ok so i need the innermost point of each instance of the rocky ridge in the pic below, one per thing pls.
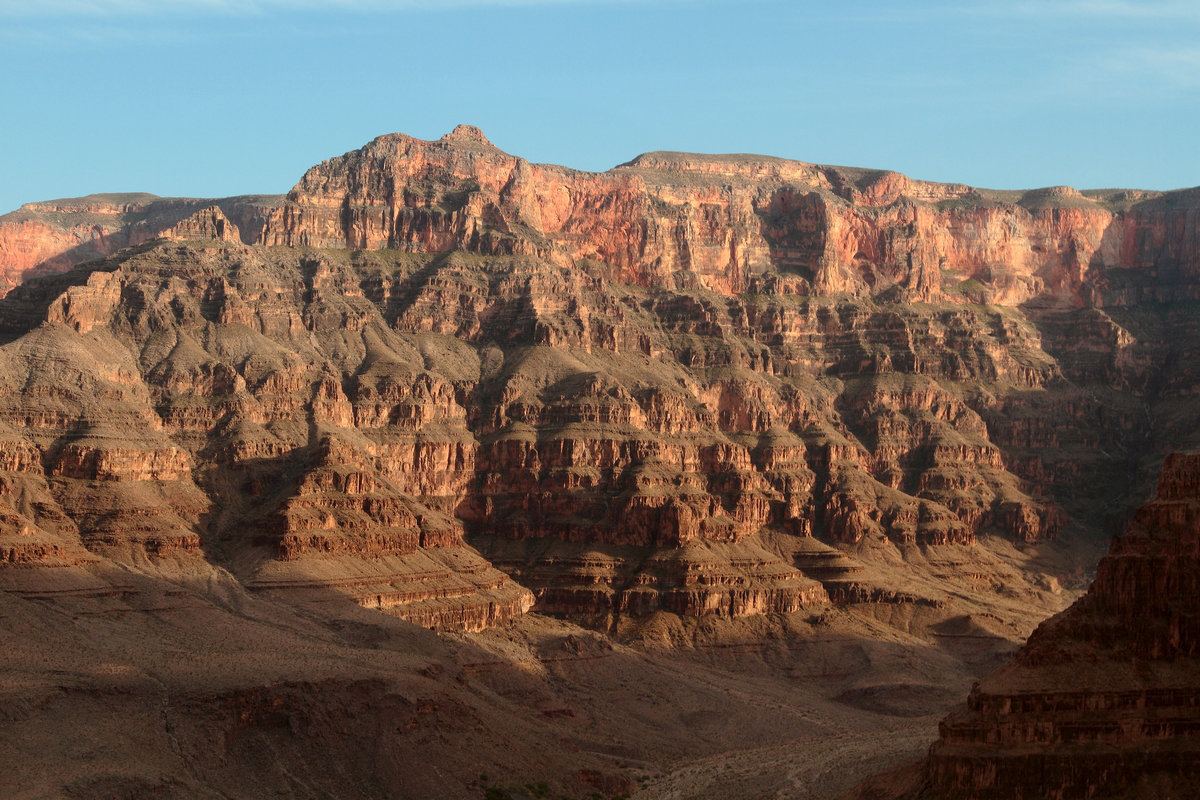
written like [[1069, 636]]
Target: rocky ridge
[[318, 421], [51, 237], [1102, 700], [727, 223]]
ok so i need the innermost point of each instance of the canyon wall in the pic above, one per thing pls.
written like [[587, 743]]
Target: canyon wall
[[337, 421], [694, 402], [642, 390], [676, 220], [340, 421], [53, 236]]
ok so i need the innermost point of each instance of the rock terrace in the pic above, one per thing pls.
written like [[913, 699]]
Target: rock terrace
[[1104, 699], [618, 387]]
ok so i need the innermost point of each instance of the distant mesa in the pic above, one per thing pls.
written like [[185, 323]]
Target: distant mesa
[[51, 237]]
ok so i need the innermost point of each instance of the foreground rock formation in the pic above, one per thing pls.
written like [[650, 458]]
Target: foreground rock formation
[[1104, 699]]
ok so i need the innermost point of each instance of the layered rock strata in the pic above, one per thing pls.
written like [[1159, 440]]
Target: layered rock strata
[[1092, 265], [339, 421], [140, 426], [726, 223], [623, 388], [1104, 699], [51, 237]]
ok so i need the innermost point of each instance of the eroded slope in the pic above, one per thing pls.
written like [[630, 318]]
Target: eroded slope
[[341, 419], [1102, 700]]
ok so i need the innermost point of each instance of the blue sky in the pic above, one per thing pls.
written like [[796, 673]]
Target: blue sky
[[211, 98]]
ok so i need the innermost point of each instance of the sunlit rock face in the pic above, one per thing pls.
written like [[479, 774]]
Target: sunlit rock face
[[676, 220], [434, 368], [50, 237]]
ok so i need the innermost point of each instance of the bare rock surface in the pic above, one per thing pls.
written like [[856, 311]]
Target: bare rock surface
[[700, 455], [351, 420], [729, 223], [53, 236], [1102, 700]]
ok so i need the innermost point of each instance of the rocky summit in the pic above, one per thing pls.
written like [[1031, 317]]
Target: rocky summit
[[812, 413]]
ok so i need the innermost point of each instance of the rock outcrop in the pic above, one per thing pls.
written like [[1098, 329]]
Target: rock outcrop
[[207, 223], [52, 237], [674, 220], [338, 422], [140, 426], [1104, 699]]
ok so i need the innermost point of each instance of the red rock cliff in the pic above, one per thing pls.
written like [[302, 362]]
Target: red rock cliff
[[676, 220], [673, 220], [624, 388], [53, 236]]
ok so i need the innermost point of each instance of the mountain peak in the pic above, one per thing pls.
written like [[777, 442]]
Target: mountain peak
[[467, 134]]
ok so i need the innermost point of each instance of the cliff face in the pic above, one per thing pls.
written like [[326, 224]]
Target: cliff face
[[1104, 699], [648, 389], [52, 237], [676, 220], [180, 407], [673, 220], [337, 422], [440, 385]]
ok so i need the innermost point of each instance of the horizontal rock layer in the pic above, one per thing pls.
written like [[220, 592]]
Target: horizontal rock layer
[[340, 421], [731, 223], [623, 387], [52, 237], [1104, 699]]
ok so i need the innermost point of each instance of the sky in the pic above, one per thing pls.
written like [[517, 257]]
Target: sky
[[211, 98]]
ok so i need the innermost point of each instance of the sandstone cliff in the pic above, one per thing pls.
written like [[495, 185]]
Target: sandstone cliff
[[51, 237], [676, 220], [340, 421], [1102, 700], [634, 391], [1088, 276]]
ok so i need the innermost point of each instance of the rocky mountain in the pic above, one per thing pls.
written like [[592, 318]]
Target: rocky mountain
[[632, 390], [736, 224], [718, 398]]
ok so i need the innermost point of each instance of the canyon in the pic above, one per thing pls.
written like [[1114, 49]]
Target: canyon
[[441, 428]]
